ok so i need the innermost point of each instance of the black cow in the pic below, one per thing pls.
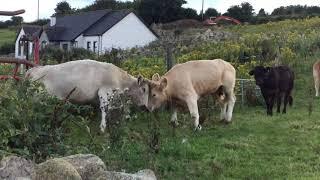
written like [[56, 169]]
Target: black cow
[[275, 83]]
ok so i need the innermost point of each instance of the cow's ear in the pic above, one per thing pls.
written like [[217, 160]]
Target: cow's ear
[[156, 77], [140, 79], [251, 73], [163, 83]]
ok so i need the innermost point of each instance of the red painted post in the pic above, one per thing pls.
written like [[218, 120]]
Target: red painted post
[[36, 50]]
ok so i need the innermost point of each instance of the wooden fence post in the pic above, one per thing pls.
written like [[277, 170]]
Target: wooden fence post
[[170, 62]]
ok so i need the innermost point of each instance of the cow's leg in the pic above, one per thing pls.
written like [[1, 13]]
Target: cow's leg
[[223, 112], [267, 101], [272, 98], [269, 110], [174, 118], [279, 99], [104, 94], [194, 112], [231, 101], [285, 102]]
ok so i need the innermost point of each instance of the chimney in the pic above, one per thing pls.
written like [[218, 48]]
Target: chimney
[[53, 21]]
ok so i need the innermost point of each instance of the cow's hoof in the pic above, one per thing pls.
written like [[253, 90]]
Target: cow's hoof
[[222, 121], [174, 123], [227, 122], [102, 127], [198, 128]]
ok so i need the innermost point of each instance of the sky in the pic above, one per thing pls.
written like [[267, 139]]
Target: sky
[[47, 6]]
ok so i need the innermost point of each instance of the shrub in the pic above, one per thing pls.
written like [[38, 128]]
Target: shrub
[[32, 123], [53, 55], [7, 48]]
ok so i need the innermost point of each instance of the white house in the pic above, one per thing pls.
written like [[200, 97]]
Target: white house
[[98, 31], [24, 43]]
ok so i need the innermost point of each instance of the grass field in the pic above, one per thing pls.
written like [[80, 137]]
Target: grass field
[[7, 35]]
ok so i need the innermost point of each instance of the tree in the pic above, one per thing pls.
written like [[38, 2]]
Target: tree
[[160, 11], [243, 13], [262, 13], [211, 12], [40, 22], [189, 13], [63, 8], [279, 11], [16, 20], [111, 4]]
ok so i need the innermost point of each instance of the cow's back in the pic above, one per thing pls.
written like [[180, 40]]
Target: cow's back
[[87, 76], [201, 76]]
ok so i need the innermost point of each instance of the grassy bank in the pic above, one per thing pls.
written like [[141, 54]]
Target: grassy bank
[[7, 36]]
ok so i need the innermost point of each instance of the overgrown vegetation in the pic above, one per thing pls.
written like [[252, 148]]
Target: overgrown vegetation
[[254, 146]]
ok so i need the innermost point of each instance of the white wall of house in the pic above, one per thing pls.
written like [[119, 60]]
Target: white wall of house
[[44, 40], [128, 33], [80, 42], [19, 51], [94, 43], [65, 45]]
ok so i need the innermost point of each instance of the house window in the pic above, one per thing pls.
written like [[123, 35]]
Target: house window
[[20, 48], [88, 45], [95, 46], [43, 44], [25, 49], [75, 44], [65, 47]]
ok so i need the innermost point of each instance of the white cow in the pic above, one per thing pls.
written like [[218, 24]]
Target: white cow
[[93, 82], [186, 83]]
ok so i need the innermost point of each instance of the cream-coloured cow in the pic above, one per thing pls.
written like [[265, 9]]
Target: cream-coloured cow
[[93, 82], [186, 83], [316, 76]]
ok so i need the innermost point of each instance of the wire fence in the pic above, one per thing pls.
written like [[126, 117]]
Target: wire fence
[[247, 92]]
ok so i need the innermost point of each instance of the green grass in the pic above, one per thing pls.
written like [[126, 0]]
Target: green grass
[[7, 35], [254, 146]]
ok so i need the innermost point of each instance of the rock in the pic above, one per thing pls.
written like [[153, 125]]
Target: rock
[[75, 167], [55, 169], [140, 175], [87, 165], [14, 168]]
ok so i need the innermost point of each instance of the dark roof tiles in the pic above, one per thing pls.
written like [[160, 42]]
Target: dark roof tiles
[[106, 23], [32, 30], [74, 25]]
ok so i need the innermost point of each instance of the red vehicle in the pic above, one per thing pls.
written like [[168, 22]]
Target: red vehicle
[[215, 20]]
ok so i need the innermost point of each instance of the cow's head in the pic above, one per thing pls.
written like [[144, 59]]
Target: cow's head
[[139, 91], [157, 94], [260, 73]]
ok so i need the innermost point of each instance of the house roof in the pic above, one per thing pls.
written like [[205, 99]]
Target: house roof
[[106, 23], [91, 23], [69, 27], [30, 30]]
